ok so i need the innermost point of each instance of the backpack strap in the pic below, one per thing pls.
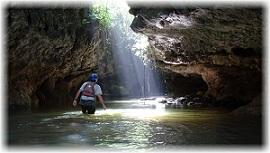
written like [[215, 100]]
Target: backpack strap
[[93, 87]]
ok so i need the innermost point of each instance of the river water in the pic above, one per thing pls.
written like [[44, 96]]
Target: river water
[[133, 125]]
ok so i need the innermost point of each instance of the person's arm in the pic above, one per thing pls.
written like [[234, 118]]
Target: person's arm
[[100, 99], [76, 98]]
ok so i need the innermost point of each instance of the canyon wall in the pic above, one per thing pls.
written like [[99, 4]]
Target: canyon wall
[[50, 52]]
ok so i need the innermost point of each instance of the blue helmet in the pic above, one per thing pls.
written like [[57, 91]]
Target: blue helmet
[[93, 77]]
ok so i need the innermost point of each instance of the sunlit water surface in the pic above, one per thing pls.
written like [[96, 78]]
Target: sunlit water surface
[[132, 125]]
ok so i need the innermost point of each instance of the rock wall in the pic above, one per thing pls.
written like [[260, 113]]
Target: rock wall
[[222, 44], [50, 51]]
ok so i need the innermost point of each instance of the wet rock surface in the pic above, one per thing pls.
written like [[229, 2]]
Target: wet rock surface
[[50, 52], [187, 102], [221, 44]]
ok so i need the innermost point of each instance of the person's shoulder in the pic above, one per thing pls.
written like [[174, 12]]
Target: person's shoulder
[[83, 85], [97, 85], [85, 82]]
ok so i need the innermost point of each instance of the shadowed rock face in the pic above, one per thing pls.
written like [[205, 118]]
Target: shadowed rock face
[[50, 51], [221, 44]]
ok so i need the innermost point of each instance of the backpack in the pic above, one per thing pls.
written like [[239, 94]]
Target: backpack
[[89, 90]]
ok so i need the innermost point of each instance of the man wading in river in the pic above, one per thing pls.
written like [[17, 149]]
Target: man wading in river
[[89, 91]]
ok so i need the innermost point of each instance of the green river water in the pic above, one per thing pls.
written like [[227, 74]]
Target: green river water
[[129, 125]]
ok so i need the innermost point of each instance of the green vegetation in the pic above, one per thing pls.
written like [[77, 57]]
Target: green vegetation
[[102, 14]]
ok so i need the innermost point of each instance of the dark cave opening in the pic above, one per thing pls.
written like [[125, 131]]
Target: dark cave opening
[[179, 85]]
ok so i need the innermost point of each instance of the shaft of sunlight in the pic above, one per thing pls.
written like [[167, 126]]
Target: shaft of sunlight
[[139, 77]]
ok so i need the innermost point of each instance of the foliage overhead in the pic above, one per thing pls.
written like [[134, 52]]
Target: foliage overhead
[[102, 14]]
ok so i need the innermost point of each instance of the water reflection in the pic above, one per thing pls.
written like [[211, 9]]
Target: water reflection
[[132, 127], [135, 113]]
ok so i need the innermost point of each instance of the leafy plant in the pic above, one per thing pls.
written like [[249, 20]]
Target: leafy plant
[[102, 14]]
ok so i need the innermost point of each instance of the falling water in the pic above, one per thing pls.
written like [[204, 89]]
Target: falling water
[[138, 76]]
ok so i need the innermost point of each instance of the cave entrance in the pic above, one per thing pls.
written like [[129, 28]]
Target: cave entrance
[[178, 85]]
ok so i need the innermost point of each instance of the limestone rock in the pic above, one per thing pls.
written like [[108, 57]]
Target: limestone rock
[[50, 51], [222, 44]]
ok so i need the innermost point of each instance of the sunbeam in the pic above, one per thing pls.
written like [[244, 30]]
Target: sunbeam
[[137, 74]]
